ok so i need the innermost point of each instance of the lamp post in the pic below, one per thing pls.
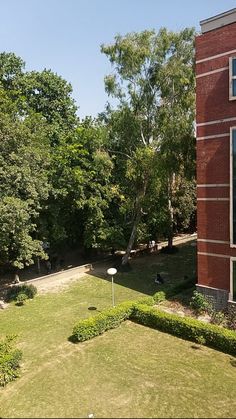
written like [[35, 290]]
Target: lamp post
[[112, 271]]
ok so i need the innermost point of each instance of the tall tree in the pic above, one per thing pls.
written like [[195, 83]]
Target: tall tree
[[143, 65], [37, 114], [82, 191], [24, 187]]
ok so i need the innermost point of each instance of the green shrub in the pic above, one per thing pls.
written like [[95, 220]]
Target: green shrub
[[231, 319], [218, 317], [96, 325], [29, 290], [21, 299], [148, 301], [186, 328], [200, 340], [159, 297], [9, 360], [199, 303]]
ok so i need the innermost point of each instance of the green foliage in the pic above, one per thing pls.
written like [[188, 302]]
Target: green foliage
[[149, 301], [29, 290], [159, 296], [97, 183], [183, 327], [18, 248], [98, 324], [9, 360], [21, 299], [231, 319], [11, 69], [199, 303], [186, 328], [24, 185], [49, 94], [200, 340], [218, 317], [151, 132]]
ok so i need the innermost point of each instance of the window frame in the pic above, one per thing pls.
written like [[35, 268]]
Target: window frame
[[231, 224], [231, 78], [231, 292]]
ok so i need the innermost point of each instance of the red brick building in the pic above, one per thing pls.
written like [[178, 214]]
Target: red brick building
[[216, 157]]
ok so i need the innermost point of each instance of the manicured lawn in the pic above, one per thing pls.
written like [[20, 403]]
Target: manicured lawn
[[131, 371]]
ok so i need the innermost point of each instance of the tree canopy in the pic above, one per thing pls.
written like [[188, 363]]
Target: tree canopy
[[107, 182]]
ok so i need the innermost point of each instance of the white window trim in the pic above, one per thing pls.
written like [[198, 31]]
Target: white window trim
[[232, 244], [231, 78], [232, 260]]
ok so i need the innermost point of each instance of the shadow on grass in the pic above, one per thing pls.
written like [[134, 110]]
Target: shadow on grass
[[178, 271], [196, 347], [72, 339]]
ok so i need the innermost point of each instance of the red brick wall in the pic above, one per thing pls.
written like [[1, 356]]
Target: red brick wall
[[213, 220], [216, 41], [213, 161], [222, 192], [214, 272], [213, 155]]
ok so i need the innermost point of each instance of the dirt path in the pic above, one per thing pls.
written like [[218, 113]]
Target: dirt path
[[59, 280]]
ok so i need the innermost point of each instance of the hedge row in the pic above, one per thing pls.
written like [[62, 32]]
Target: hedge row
[[183, 327], [96, 325], [186, 327]]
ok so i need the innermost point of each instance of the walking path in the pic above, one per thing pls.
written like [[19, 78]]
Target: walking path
[[55, 281]]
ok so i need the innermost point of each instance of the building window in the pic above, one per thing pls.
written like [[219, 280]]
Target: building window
[[232, 78], [233, 286], [233, 186]]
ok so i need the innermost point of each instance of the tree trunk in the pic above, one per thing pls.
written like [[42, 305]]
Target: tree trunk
[[171, 213], [38, 265], [132, 238], [138, 210]]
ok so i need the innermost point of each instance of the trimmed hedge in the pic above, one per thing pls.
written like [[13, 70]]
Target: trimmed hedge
[[148, 301], [183, 327], [98, 324], [186, 327]]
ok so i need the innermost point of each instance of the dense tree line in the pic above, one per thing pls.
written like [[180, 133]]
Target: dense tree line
[[126, 176]]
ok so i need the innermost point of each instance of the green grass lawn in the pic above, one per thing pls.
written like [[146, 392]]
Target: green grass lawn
[[131, 371]]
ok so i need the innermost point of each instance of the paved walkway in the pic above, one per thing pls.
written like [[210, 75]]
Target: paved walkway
[[60, 279]]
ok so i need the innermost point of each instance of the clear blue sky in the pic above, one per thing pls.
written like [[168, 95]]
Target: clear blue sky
[[65, 35]]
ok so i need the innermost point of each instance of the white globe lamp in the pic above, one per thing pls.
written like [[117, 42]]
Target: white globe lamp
[[112, 272]]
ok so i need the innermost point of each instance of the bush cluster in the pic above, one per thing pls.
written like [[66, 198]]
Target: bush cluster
[[149, 300], [200, 304], [9, 360], [159, 296], [186, 328], [14, 292], [96, 325]]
